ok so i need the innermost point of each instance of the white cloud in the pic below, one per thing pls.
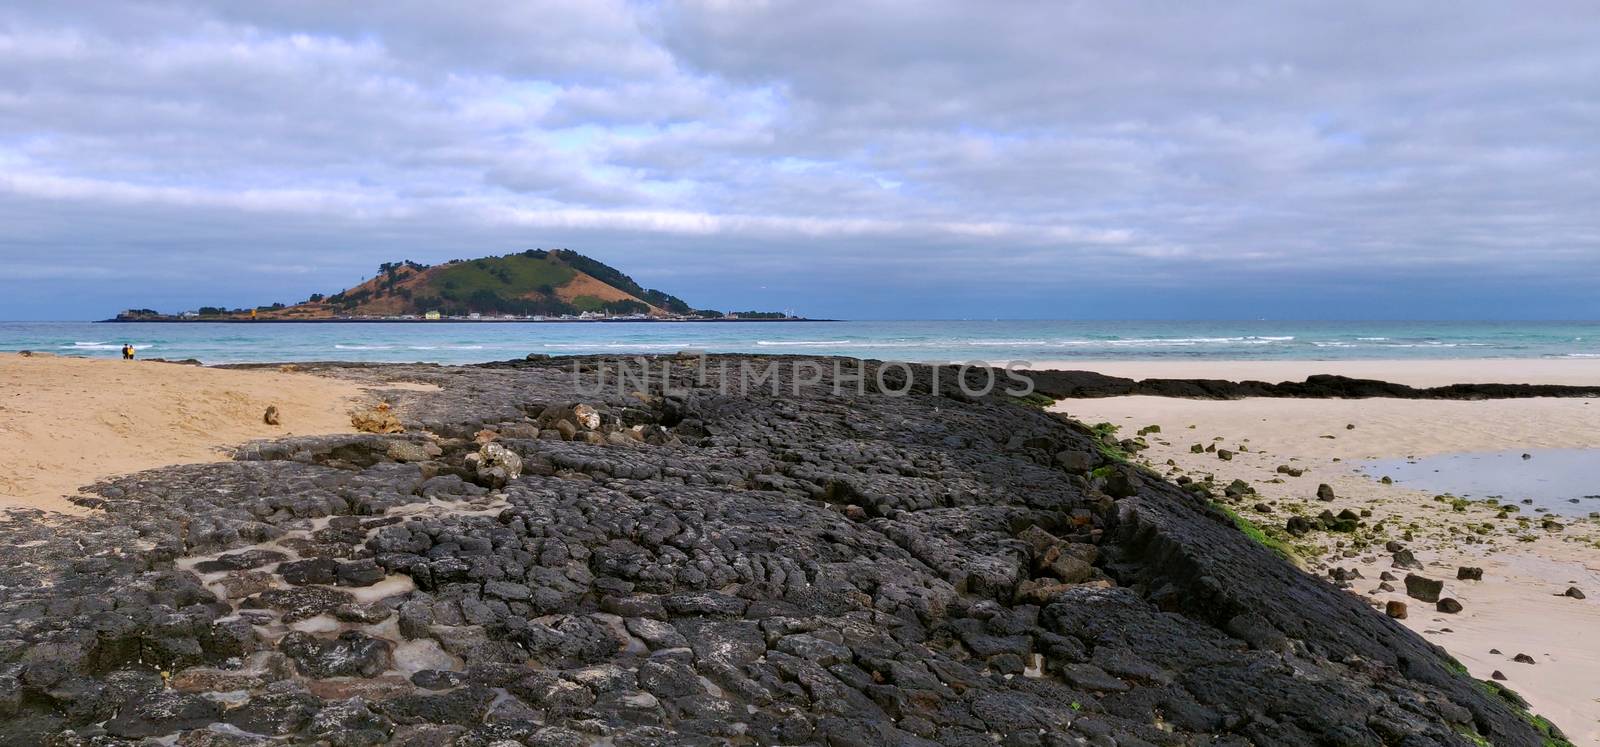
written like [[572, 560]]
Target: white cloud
[[946, 144]]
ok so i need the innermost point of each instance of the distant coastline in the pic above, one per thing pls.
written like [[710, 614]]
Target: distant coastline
[[379, 320]]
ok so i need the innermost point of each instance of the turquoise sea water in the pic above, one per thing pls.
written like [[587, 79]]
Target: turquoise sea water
[[446, 342]]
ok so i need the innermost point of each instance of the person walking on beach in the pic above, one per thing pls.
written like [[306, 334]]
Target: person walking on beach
[[127, 352]]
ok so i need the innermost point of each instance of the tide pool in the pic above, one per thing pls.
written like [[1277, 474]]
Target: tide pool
[[1561, 481]]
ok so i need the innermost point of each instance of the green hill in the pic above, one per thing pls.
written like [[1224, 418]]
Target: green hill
[[537, 282]]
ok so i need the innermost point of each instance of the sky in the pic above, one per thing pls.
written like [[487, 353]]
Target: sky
[[869, 159]]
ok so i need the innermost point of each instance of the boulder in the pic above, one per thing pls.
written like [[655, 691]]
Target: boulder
[[1423, 588], [165, 713], [240, 561], [1123, 482], [1076, 462], [494, 465], [309, 572], [585, 417], [352, 654], [376, 419], [413, 451]]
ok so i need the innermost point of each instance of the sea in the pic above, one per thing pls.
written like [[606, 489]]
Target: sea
[[915, 341]]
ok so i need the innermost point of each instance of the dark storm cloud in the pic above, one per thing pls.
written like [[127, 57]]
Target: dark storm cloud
[[870, 158]]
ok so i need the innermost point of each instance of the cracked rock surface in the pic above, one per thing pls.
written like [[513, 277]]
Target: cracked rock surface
[[534, 563]]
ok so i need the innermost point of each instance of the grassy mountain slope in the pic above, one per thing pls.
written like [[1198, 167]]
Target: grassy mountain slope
[[533, 282]]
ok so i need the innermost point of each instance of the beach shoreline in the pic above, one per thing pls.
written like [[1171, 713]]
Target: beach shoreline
[[1411, 372], [1517, 607]]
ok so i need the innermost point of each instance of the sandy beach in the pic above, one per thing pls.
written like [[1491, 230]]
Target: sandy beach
[[1515, 609], [67, 422]]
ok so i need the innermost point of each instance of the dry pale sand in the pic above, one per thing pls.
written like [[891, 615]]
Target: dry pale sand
[[1576, 371], [1515, 608], [67, 422]]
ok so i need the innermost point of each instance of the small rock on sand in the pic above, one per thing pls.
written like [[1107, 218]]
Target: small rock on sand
[[1325, 492], [271, 416], [1405, 559], [1449, 606], [1423, 588], [1574, 592], [1395, 609], [1523, 659], [1469, 573]]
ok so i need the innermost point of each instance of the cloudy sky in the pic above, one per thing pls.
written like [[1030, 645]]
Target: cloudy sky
[[876, 158]]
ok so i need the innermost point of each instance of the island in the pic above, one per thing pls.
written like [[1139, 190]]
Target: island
[[537, 285]]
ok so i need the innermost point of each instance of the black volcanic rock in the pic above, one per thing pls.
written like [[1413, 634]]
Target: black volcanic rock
[[1088, 384], [820, 568]]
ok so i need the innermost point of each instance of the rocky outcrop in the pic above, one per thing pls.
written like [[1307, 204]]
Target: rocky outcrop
[[1088, 384], [687, 566]]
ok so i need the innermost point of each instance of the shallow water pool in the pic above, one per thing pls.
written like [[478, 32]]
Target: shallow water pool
[[1564, 481]]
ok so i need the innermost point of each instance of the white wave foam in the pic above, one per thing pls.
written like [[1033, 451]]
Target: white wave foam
[[104, 346], [622, 345], [802, 342], [1248, 340]]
